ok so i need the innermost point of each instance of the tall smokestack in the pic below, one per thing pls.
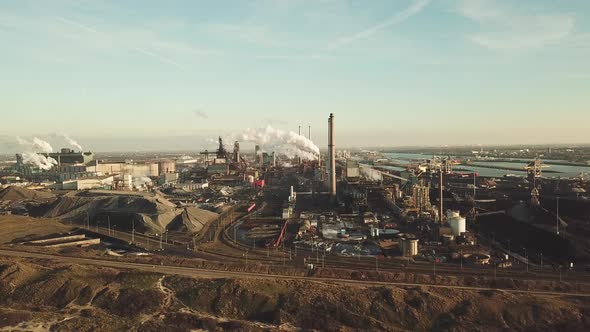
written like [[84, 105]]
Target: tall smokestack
[[300, 135], [331, 157]]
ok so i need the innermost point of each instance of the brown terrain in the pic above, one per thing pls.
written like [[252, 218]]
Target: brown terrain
[[43, 295]]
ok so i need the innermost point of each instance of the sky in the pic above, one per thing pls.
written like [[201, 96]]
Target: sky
[[144, 75]]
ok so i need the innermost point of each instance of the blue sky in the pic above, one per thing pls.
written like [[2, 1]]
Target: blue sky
[[398, 72]]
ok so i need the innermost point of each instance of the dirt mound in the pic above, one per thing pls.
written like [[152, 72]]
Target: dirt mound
[[14, 193], [193, 219], [153, 212]]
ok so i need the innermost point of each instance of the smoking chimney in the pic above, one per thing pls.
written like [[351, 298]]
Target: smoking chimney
[[299, 159], [331, 157]]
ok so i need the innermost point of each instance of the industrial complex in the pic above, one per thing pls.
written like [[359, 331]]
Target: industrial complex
[[397, 206], [293, 208]]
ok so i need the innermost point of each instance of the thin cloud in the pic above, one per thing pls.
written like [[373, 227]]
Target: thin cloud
[[416, 7], [141, 50], [248, 34], [506, 29], [201, 114]]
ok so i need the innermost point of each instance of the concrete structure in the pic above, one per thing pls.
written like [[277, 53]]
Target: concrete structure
[[331, 157]]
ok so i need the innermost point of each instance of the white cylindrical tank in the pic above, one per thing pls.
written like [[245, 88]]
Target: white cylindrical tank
[[250, 179], [457, 225]]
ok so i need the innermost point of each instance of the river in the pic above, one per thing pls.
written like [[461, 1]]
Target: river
[[564, 171]]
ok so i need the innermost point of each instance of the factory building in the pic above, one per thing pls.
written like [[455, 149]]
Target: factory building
[[98, 182], [70, 157], [136, 170]]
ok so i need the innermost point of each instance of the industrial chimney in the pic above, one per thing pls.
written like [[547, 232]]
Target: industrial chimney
[[299, 158], [331, 157]]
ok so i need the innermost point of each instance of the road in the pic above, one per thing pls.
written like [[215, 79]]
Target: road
[[204, 273]]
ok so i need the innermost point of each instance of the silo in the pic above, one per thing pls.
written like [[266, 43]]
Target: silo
[[457, 224], [167, 166], [153, 169]]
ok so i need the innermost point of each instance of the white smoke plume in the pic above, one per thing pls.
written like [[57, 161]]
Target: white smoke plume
[[72, 142], [39, 160], [139, 181], [37, 145], [370, 173], [30, 155], [279, 141]]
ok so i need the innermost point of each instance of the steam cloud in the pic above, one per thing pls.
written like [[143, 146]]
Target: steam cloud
[[139, 181], [39, 160], [289, 143], [32, 158], [36, 144], [72, 142], [370, 174]]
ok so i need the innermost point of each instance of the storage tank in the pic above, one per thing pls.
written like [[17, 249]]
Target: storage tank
[[153, 169], [250, 179], [409, 247], [457, 225], [167, 166]]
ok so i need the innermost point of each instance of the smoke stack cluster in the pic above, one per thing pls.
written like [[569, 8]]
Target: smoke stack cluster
[[331, 157]]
